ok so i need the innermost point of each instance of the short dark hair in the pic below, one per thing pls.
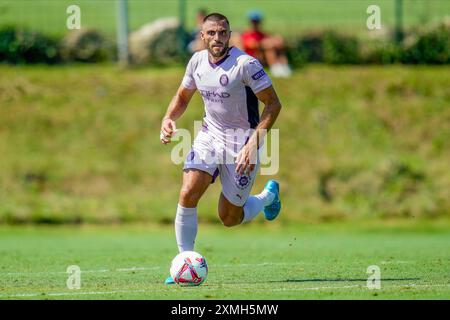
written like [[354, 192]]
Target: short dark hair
[[215, 16]]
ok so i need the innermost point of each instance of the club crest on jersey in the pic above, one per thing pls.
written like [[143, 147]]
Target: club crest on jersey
[[242, 181], [223, 80]]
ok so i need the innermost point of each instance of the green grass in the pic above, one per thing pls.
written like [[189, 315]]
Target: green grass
[[247, 262], [80, 143], [288, 17]]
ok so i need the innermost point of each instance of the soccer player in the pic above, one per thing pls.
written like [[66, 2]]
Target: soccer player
[[231, 83]]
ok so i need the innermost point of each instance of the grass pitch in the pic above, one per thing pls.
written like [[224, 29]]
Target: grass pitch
[[256, 261], [80, 143]]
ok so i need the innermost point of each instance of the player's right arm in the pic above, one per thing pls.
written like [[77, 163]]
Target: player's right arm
[[176, 108], [179, 102]]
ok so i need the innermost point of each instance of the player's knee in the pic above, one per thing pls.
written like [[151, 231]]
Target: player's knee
[[189, 197], [229, 222], [228, 218]]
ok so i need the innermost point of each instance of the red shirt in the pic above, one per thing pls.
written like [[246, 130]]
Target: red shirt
[[251, 40]]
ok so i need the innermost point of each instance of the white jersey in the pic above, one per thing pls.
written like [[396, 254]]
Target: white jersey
[[227, 88]]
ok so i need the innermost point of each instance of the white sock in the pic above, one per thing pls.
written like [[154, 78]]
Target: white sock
[[255, 204], [266, 196], [186, 228]]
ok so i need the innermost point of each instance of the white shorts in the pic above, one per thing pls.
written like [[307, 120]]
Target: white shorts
[[208, 154]]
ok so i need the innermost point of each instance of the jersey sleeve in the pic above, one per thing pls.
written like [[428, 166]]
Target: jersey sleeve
[[188, 79], [254, 76]]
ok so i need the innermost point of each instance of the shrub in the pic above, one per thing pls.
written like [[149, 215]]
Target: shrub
[[304, 49], [381, 52], [19, 46], [431, 46], [340, 49], [86, 45], [323, 46], [159, 42]]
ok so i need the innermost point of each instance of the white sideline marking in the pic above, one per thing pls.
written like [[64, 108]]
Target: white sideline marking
[[137, 269], [396, 262], [242, 265], [83, 271], [127, 269], [364, 287], [59, 294]]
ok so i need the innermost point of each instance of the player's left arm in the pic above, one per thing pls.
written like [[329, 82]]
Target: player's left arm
[[246, 159]]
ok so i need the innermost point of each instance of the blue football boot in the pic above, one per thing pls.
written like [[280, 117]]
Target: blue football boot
[[169, 280], [272, 210]]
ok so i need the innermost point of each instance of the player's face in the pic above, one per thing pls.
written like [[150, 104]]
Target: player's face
[[216, 35]]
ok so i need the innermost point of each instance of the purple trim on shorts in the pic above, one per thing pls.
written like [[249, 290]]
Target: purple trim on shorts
[[215, 175]]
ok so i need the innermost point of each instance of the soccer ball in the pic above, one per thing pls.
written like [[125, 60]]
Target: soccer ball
[[189, 268]]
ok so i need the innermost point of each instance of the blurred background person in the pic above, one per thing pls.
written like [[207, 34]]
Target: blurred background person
[[269, 49], [196, 44]]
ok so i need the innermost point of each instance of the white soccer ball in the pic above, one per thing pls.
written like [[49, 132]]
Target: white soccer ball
[[189, 268]]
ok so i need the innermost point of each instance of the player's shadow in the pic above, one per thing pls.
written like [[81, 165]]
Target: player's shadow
[[342, 280]]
